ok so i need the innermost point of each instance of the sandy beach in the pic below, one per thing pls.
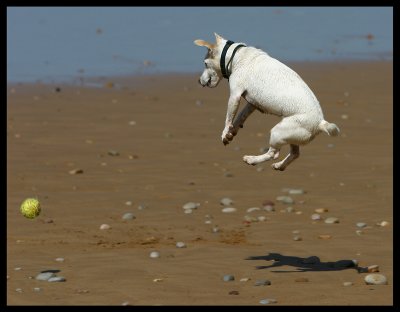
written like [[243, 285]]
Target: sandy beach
[[148, 145]]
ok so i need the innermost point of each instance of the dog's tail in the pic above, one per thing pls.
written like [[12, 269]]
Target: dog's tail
[[329, 128]]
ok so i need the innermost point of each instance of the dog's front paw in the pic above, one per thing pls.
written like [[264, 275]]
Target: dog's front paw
[[228, 134], [251, 160]]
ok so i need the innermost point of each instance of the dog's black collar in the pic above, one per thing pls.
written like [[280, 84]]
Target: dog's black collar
[[224, 69]]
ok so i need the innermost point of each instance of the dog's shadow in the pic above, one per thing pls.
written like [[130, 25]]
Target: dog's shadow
[[308, 264]]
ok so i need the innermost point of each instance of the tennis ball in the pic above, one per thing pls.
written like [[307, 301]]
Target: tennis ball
[[30, 208]]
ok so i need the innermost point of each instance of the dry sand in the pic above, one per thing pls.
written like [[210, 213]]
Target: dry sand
[[172, 154]]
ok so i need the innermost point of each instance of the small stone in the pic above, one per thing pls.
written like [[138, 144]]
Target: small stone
[[215, 229], [269, 208], [113, 153], [331, 220], [142, 206], [262, 218], [37, 289], [297, 238], [324, 236], [44, 276], [191, 205], [59, 259], [105, 227], [180, 245], [285, 199], [56, 279], [19, 290], [268, 202], [301, 280], [345, 116], [226, 201], [268, 301], [289, 209], [375, 279], [250, 218], [154, 254], [76, 171], [233, 292], [128, 216], [359, 232], [383, 223], [245, 279], [361, 225], [315, 217], [373, 268], [228, 278], [229, 209], [296, 191], [125, 303], [299, 212], [262, 282], [156, 280], [321, 210], [348, 284], [17, 269], [187, 211], [253, 209], [128, 203], [132, 123], [208, 222]]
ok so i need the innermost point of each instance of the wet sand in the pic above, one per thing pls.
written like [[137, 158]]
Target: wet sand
[[167, 131]]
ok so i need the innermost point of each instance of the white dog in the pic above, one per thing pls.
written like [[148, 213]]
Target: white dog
[[270, 87]]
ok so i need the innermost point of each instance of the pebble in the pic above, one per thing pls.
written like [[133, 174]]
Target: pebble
[[331, 220], [297, 238], [191, 205], [17, 269], [250, 219], [348, 284], [359, 232], [37, 289], [302, 280], [373, 268], [113, 153], [59, 259], [132, 123], [268, 301], [128, 216], [345, 116], [315, 217], [142, 206], [296, 191], [76, 171], [262, 282], [375, 279], [229, 209], [253, 209], [44, 276], [269, 208], [156, 280], [289, 209], [285, 199], [245, 279], [154, 254], [125, 303], [324, 236], [226, 201], [187, 211], [56, 279], [208, 222], [233, 292], [105, 227], [215, 229], [18, 290], [361, 225], [268, 202], [383, 223], [128, 203], [228, 278], [262, 218], [321, 210], [180, 245]]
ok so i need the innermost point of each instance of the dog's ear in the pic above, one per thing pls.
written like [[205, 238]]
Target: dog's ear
[[218, 38], [203, 43]]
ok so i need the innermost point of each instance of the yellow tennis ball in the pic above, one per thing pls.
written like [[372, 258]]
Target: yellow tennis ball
[[30, 208]]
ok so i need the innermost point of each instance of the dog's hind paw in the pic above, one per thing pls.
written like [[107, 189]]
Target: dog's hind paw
[[251, 160], [277, 166]]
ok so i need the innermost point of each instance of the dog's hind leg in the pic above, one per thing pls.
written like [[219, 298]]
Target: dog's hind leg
[[293, 154], [272, 153]]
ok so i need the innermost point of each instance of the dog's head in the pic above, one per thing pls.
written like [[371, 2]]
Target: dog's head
[[212, 74]]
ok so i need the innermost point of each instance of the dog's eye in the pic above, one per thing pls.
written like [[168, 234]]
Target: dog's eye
[[206, 64]]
